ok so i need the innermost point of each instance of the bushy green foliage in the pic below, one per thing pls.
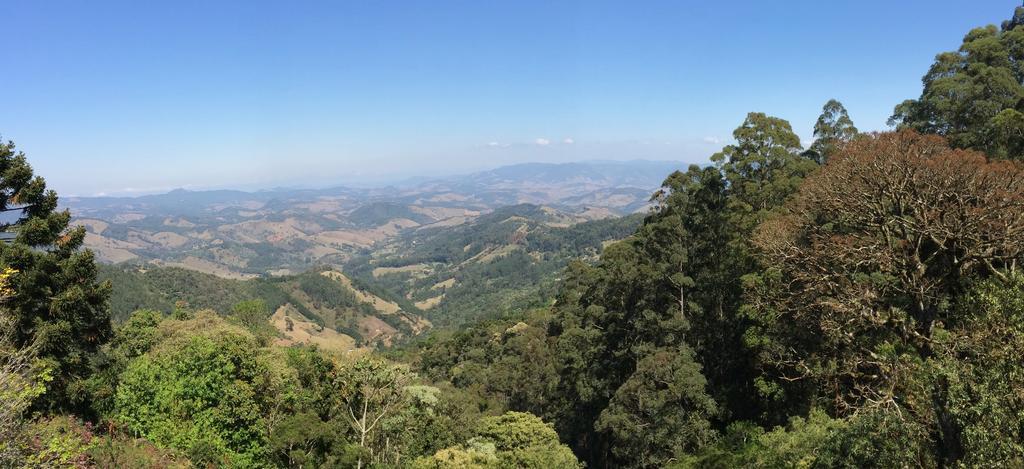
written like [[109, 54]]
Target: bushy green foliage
[[60, 441], [23, 379], [872, 440], [208, 393], [510, 361], [977, 373], [132, 339], [523, 440], [512, 440]]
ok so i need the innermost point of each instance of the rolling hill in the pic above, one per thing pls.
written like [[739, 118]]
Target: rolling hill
[[244, 235]]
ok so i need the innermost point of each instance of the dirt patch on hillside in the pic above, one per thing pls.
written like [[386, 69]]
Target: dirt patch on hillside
[[378, 303], [345, 238], [373, 328], [429, 303], [168, 239], [453, 221], [108, 250], [92, 225], [127, 217], [420, 270], [304, 331], [444, 285], [205, 266], [178, 223]]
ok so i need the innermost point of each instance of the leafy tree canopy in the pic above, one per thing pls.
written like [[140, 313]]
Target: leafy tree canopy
[[975, 96]]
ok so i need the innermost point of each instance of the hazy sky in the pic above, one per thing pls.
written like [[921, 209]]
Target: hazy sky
[[115, 97]]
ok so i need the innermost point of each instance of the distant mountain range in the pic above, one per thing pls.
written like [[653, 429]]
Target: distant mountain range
[[238, 234]]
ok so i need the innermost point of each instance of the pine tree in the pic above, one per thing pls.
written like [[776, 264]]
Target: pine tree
[[57, 303]]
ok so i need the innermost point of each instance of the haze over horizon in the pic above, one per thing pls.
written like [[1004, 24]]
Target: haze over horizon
[[381, 182], [122, 97]]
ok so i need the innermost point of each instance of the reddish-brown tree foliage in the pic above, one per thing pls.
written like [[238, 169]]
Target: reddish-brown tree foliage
[[870, 254]]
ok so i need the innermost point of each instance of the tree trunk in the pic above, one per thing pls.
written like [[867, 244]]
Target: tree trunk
[[682, 302], [362, 435], [951, 448]]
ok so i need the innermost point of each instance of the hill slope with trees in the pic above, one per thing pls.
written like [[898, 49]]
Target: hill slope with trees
[[499, 264]]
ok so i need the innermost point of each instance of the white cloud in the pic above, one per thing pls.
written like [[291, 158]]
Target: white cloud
[[568, 141], [542, 142], [493, 144], [712, 140]]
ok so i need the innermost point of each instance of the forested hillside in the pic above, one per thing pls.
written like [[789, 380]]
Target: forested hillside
[[327, 299], [499, 264], [853, 304]]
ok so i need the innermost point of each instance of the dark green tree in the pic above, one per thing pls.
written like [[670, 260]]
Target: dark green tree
[[833, 128], [762, 169], [661, 412], [975, 96], [57, 302], [674, 285], [691, 241], [208, 389]]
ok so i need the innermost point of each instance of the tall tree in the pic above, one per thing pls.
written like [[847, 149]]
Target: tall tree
[[611, 317], [371, 389], [57, 304], [763, 168], [975, 96], [866, 265], [673, 288], [833, 128], [691, 242]]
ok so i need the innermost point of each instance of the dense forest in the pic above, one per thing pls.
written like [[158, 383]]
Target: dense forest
[[853, 304]]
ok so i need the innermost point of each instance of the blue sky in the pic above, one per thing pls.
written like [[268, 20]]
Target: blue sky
[[124, 97]]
